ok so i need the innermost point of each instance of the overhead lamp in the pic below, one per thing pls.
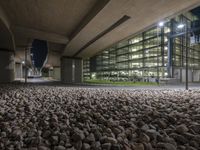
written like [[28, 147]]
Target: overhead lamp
[[180, 26], [161, 24], [23, 62]]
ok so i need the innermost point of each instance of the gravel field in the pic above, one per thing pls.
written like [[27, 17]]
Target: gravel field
[[35, 117]]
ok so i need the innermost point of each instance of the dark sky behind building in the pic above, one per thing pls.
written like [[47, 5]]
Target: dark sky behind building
[[39, 52]]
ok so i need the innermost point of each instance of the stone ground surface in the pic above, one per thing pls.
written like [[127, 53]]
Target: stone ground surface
[[39, 117]]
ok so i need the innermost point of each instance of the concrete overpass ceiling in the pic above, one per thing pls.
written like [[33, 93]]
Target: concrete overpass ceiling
[[51, 16], [56, 47], [50, 20], [74, 25], [143, 14]]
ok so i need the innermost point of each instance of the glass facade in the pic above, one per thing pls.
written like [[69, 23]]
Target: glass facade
[[156, 53]]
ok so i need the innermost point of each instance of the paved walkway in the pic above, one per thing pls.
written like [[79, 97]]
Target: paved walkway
[[51, 82]]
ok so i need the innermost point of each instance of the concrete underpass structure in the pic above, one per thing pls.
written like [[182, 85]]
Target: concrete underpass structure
[[74, 29]]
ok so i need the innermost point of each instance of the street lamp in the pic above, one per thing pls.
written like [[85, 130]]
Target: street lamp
[[160, 25], [181, 26]]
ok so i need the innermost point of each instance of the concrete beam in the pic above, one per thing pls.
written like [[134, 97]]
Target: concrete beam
[[92, 13], [5, 20], [41, 35]]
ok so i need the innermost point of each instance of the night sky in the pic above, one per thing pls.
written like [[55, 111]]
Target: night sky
[[196, 11], [39, 50]]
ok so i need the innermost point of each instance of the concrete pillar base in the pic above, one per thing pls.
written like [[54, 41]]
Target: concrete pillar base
[[7, 65], [71, 70]]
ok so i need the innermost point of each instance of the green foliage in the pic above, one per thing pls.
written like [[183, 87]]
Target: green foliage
[[120, 83]]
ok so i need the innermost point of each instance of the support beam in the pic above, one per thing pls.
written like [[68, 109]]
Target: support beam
[[86, 20], [95, 10], [41, 35]]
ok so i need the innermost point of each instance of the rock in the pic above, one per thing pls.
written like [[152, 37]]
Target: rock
[[10, 116], [170, 140], [166, 146], [194, 144], [78, 136], [78, 145], [60, 147], [138, 146], [196, 128], [116, 131], [106, 146], [152, 134], [46, 134], [145, 127], [72, 148], [148, 146], [90, 138], [116, 147], [181, 129], [63, 137], [190, 148], [111, 140], [43, 148], [179, 138], [144, 138], [17, 134], [86, 146], [97, 135], [96, 145], [162, 124], [54, 140]]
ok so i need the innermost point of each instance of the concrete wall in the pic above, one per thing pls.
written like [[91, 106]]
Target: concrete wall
[[177, 73], [18, 70], [71, 70], [181, 75], [66, 70], [193, 75], [78, 70], [7, 66], [56, 73], [196, 75]]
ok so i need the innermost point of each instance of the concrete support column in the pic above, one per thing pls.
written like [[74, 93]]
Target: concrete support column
[[56, 72], [18, 70], [7, 66], [71, 70]]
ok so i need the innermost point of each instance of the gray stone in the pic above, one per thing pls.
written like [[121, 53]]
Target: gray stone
[[43, 148], [166, 146], [78, 136], [54, 140], [144, 138], [106, 146], [90, 138], [111, 140], [78, 145], [60, 147], [86, 146], [181, 129]]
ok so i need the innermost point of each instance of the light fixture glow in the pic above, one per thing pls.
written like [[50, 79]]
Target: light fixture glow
[[161, 24], [180, 26], [23, 62]]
